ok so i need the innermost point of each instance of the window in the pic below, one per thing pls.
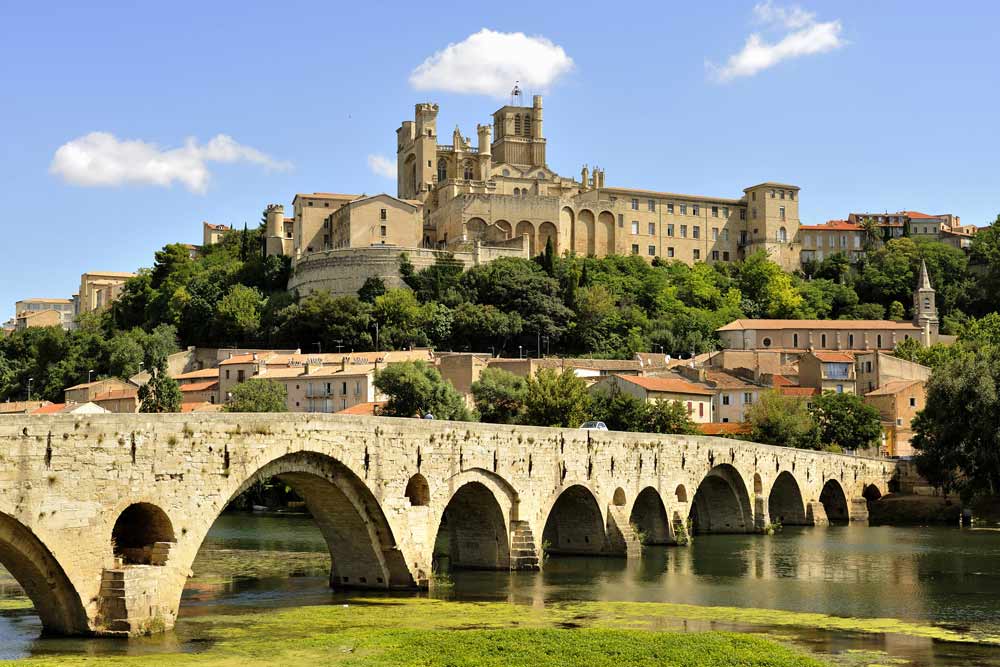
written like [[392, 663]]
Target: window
[[791, 194], [527, 125], [725, 234], [822, 341], [753, 213], [621, 219], [468, 171], [382, 214], [899, 421], [227, 373], [795, 340], [443, 170], [684, 231], [748, 397], [690, 407], [696, 254], [635, 248], [694, 209], [383, 230], [651, 204], [878, 341], [343, 389], [652, 229], [670, 209], [850, 340], [309, 203], [684, 209], [725, 399], [695, 229], [913, 401], [743, 214], [840, 389], [753, 196], [725, 255], [635, 226], [635, 204], [701, 409], [670, 229], [781, 194], [766, 342], [715, 211], [240, 376], [652, 251], [781, 212], [725, 211], [517, 124], [782, 235], [772, 194], [670, 252], [715, 255], [517, 192], [868, 367]]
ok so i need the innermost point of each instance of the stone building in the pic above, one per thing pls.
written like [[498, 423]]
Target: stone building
[[696, 398], [44, 313], [898, 402], [99, 288]]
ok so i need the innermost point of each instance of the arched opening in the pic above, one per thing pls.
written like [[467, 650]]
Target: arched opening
[[782, 235], [583, 233], [525, 228], [517, 192], [418, 492], [871, 494], [604, 242], [575, 525], [517, 124], [650, 517], [474, 229], [547, 231], [721, 503], [142, 535], [834, 502], [784, 503], [469, 171], [758, 487], [442, 169], [504, 228], [619, 497], [472, 534], [527, 125], [42, 578], [681, 493]]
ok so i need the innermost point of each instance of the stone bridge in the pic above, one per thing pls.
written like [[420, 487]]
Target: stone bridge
[[101, 516]]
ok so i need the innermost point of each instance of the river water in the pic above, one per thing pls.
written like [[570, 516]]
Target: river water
[[942, 576]]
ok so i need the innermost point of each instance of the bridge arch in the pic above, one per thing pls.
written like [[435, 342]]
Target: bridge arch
[[418, 491], [649, 515], [137, 531], [574, 523], [784, 502], [473, 531], [834, 502], [721, 504], [36, 570], [871, 493]]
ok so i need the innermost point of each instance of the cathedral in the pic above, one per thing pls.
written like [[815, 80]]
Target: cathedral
[[499, 197]]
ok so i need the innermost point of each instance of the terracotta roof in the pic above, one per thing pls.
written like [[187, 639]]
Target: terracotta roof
[[200, 374], [781, 381], [96, 382], [744, 324], [725, 428], [798, 391], [219, 227], [363, 409], [200, 386], [51, 409], [202, 406], [919, 216], [834, 357], [115, 395], [833, 225], [667, 385], [247, 358], [724, 380], [893, 387]]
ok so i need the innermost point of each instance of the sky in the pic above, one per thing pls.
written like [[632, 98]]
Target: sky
[[125, 125]]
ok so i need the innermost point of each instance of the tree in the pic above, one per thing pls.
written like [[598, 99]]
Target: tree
[[956, 435], [669, 417], [556, 399], [414, 389], [618, 410], [328, 320], [783, 420], [845, 421], [897, 313], [499, 396], [869, 311], [237, 315], [767, 289], [871, 235], [161, 393], [373, 288], [258, 395]]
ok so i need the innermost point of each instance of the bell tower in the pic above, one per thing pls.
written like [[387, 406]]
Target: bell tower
[[925, 313], [517, 136]]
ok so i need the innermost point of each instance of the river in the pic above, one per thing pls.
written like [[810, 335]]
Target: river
[[942, 576]]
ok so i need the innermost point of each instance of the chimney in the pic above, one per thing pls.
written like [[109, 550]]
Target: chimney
[[343, 363]]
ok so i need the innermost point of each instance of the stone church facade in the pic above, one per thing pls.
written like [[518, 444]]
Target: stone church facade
[[500, 197]]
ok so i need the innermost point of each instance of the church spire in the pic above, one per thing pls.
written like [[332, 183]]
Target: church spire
[[925, 281]]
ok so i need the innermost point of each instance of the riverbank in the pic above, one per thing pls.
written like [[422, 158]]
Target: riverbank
[[914, 510]]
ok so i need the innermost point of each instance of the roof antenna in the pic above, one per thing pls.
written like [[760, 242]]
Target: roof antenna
[[515, 95]]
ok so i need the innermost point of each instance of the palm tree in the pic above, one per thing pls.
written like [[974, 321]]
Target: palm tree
[[871, 234]]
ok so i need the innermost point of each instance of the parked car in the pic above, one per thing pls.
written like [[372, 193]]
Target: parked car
[[594, 426]]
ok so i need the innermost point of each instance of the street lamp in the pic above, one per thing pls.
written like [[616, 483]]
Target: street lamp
[[519, 354], [90, 373], [319, 347], [30, 380]]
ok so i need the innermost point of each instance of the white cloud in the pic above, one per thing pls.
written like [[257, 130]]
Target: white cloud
[[382, 166], [100, 159], [804, 37], [489, 62]]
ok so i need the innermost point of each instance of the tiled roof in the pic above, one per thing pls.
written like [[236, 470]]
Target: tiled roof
[[781, 381], [798, 391], [917, 215], [893, 387], [725, 428], [594, 364], [363, 409], [202, 406], [724, 380], [667, 385], [52, 409], [207, 385], [200, 374], [324, 195], [744, 324], [833, 225], [115, 395], [834, 357]]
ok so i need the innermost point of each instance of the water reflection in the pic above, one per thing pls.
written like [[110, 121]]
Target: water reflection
[[938, 575]]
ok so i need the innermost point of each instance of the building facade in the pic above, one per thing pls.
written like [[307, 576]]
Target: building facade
[[98, 289], [44, 312]]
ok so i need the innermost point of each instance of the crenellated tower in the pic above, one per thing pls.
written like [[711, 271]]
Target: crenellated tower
[[519, 140]]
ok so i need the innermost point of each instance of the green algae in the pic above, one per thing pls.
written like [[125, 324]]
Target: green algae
[[217, 566], [14, 604]]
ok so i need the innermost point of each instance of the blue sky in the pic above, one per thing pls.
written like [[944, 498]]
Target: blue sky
[[865, 105]]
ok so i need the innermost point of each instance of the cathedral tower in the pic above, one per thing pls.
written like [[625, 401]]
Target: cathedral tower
[[925, 313]]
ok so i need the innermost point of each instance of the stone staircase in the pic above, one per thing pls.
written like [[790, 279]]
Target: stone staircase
[[621, 536], [523, 554]]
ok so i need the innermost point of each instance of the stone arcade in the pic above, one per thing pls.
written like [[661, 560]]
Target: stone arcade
[[101, 516]]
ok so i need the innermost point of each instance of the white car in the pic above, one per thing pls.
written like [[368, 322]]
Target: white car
[[594, 426]]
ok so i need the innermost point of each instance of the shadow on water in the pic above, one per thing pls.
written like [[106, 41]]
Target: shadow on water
[[940, 576]]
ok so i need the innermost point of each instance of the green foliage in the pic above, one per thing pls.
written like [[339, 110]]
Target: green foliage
[[258, 395], [783, 420], [897, 313], [869, 311], [328, 320], [845, 421], [623, 412], [373, 288], [415, 388], [499, 396], [556, 399], [161, 393], [237, 314], [956, 435], [669, 417]]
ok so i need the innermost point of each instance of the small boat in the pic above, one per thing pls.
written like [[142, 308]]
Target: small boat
[[258, 508]]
